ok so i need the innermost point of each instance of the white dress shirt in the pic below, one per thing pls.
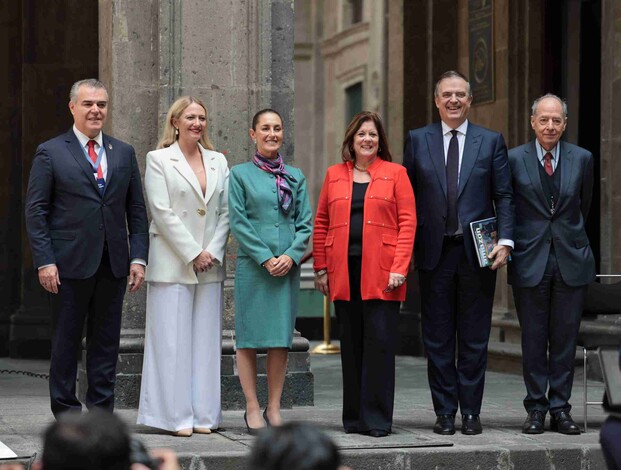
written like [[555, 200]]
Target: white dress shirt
[[556, 155], [83, 139], [461, 140]]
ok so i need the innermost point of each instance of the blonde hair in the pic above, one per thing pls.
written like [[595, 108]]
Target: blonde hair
[[169, 136]]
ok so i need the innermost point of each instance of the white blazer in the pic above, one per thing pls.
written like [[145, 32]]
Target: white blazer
[[184, 222]]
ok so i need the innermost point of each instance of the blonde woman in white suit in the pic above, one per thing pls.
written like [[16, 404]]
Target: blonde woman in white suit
[[186, 183]]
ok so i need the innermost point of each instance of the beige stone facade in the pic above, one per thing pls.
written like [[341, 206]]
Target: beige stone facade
[[235, 55], [399, 47]]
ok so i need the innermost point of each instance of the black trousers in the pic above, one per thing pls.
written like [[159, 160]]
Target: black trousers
[[610, 438], [98, 301], [368, 334], [549, 315], [456, 301]]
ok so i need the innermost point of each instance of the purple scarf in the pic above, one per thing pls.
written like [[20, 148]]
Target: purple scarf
[[277, 168]]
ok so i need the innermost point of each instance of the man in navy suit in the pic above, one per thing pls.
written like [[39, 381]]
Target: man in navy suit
[[459, 172], [552, 261], [86, 218]]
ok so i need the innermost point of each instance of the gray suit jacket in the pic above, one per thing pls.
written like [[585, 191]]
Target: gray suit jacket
[[536, 229]]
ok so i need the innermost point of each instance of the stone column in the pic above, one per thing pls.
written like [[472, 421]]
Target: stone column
[[238, 58], [610, 149]]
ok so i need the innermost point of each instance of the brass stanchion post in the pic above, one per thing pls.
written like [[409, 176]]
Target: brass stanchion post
[[326, 347]]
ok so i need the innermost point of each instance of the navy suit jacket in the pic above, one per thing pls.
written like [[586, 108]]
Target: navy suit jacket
[[484, 188], [68, 219], [536, 229]]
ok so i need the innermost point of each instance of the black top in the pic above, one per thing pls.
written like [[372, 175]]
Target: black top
[[356, 219]]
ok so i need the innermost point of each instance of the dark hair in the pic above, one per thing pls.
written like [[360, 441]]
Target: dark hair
[[358, 120], [451, 74], [255, 119], [299, 446], [96, 440]]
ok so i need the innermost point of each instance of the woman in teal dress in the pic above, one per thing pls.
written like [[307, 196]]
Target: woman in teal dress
[[270, 217]]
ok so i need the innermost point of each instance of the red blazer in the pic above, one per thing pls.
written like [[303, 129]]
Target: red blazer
[[387, 233]]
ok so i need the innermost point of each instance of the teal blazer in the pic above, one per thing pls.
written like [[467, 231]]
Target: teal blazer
[[260, 227]]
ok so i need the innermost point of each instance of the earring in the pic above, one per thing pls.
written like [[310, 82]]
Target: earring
[[255, 141], [379, 149], [176, 131]]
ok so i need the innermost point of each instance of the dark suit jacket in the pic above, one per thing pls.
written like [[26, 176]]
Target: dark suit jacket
[[67, 219], [536, 229], [484, 188]]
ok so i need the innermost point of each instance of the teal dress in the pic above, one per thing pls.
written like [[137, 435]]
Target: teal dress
[[266, 306]]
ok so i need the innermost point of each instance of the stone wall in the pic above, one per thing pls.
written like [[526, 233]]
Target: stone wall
[[610, 149], [238, 58]]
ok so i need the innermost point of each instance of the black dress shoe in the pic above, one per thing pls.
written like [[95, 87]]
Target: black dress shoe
[[534, 422], [377, 433], [471, 425], [445, 425], [563, 423]]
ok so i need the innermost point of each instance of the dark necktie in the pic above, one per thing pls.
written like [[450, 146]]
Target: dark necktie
[[452, 171], [547, 163]]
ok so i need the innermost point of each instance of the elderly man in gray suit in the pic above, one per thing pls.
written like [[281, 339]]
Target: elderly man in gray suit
[[552, 261]]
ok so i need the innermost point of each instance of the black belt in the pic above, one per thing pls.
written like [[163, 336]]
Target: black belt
[[454, 238]]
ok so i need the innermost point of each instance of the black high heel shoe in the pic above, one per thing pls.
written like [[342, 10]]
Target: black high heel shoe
[[267, 420], [251, 431]]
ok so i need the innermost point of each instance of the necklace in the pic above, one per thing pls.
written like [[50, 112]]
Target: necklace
[[364, 170]]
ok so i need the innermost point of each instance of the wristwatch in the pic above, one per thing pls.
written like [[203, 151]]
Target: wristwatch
[[321, 272]]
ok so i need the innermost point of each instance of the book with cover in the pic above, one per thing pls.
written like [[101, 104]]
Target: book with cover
[[485, 236]]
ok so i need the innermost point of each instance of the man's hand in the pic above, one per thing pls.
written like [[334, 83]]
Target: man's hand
[[49, 279], [500, 255], [136, 276]]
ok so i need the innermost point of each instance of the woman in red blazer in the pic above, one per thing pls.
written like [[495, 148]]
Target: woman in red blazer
[[362, 245]]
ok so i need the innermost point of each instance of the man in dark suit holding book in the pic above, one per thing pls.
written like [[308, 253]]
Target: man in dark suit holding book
[[460, 174], [552, 261]]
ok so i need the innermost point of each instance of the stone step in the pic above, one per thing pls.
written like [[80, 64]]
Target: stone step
[[378, 456], [508, 330], [25, 414]]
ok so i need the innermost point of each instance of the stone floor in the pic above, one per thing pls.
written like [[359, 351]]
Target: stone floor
[[24, 413]]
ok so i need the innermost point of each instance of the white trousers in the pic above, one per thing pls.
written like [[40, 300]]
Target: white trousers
[[181, 369]]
